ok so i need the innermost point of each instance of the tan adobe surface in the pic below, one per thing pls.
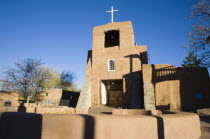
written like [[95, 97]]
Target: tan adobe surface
[[177, 88], [5, 96], [128, 63]]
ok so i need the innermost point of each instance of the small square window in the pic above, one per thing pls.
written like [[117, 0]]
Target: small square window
[[7, 103]]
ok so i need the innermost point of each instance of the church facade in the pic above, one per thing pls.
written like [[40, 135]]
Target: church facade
[[118, 74]]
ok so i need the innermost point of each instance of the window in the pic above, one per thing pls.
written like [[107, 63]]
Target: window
[[7, 103], [111, 65], [112, 38]]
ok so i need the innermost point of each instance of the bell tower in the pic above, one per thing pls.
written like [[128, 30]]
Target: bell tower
[[113, 73]]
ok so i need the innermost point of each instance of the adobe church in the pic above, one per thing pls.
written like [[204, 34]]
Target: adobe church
[[118, 75]]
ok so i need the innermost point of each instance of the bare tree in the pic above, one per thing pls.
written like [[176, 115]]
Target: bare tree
[[48, 78], [23, 76], [29, 76], [199, 37], [6, 86], [66, 79]]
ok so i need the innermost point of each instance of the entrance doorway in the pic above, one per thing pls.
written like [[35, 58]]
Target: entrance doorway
[[112, 93]]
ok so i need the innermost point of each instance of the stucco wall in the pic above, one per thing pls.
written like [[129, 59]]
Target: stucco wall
[[45, 110], [13, 97], [53, 94], [176, 88], [128, 62], [54, 126], [78, 126]]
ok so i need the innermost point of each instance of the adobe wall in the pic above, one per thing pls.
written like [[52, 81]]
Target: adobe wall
[[77, 126], [175, 88], [171, 124], [54, 95], [54, 126], [45, 110], [13, 97], [128, 62]]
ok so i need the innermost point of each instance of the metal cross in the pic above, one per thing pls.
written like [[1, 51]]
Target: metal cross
[[112, 13]]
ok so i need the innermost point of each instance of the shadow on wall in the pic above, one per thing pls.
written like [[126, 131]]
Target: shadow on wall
[[20, 125], [90, 122], [89, 57], [133, 87], [89, 126], [69, 98], [21, 108], [29, 126], [193, 87], [160, 127], [134, 82]]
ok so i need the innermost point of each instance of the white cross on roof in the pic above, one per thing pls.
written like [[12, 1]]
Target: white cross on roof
[[112, 13]]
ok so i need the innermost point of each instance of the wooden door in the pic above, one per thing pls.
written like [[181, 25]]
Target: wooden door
[[115, 98]]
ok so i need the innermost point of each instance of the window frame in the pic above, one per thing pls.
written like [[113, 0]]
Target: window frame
[[110, 65]]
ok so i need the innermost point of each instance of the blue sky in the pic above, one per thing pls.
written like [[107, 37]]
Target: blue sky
[[60, 31]]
